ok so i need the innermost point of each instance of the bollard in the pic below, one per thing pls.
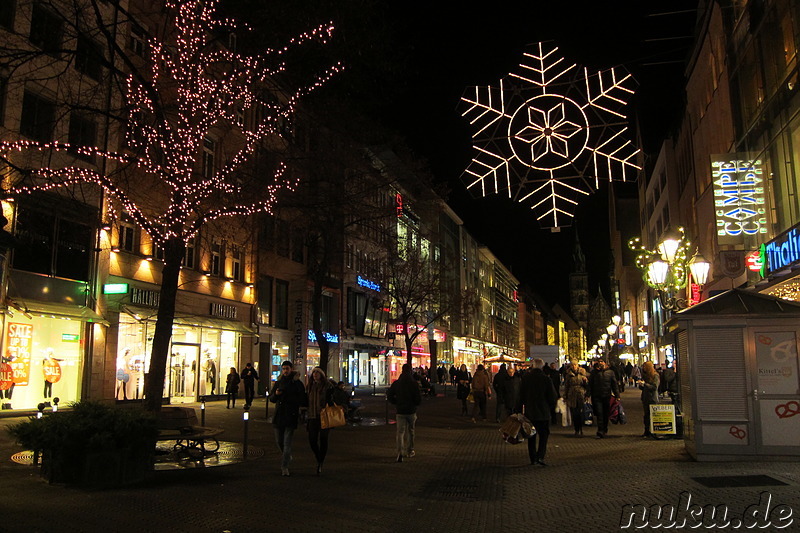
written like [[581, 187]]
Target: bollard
[[246, 418], [387, 410], [41, 407], [55, 404], [202, 410]]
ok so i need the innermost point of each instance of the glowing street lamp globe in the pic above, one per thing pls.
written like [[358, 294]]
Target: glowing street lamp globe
[[699, 268]]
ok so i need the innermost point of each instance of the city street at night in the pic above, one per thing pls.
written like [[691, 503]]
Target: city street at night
[[463, 478]]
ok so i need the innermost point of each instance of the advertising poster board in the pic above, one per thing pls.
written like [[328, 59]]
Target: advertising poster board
[[19, 342], [662, 419]]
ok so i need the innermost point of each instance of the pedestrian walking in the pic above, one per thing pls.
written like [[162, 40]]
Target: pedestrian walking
[[405, 395], [288, 395], [463, 380], [649, 387], [481, 392], [576, 384], [602, 386], [538, 401], [320, 393], [232, 387], [502, 410], [249, 377]]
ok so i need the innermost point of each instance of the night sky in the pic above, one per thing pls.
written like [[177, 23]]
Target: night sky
[[453, 49]]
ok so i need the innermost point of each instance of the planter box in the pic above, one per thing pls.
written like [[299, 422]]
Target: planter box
[[99, 470]]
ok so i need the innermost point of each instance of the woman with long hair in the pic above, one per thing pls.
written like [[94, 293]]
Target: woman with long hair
[[575, 392], [649, 387], [319, 392]]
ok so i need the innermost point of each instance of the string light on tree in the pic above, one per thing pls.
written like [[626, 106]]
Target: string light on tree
[[550, 133], [189, 88]]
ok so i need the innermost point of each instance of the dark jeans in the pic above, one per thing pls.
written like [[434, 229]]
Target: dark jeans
[[542, 434], [249, 392], [601, 413], [646, 407], [577, 417], [502, 411], [480, 404], [318, 439], [231, 398]]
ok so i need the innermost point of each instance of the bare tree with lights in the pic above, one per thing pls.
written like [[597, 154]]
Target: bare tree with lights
[[187, 86]]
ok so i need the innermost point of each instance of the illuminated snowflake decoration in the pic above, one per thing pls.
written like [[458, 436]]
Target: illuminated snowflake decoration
[[550, 134]]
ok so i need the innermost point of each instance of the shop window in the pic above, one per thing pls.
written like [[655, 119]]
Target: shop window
[[216, 258], [7, 8], [137, 41], [82, 133], [89, 57], [38, 117], [46, 29], [281, 319]]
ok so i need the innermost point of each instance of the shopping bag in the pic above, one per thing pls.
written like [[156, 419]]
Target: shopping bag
[[588, 412], [613, 410], [516, 428], [510, 430], [470, 398], [331, 416]]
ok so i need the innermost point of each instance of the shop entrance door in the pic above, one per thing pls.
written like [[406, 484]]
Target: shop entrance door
[[184, 377]]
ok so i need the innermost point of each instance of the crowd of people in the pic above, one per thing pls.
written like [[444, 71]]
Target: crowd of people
[[583, 392]]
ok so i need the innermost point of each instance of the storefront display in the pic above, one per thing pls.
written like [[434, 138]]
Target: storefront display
[[42, 361], [198, 357]]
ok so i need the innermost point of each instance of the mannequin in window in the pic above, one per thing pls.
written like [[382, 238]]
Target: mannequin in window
[[123, 375], [48, 363]]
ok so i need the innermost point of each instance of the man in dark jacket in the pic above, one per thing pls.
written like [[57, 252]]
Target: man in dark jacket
[[537, 401], [249, 377], [602, 385], [289, 395], [499, 382], [405, 395]]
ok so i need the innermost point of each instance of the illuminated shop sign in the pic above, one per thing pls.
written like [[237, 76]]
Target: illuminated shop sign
[[781, 252], [738, 197], [364, 282], [115, 288], [330, 337]]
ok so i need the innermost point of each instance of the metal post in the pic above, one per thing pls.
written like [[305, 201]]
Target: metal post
[[246, 418], [387, 410], [202, 410], [55, 404]]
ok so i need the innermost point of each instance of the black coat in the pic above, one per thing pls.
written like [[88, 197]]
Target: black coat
[[405, 395], [289, 401], [462, 389], [537, 395], [603, 384]]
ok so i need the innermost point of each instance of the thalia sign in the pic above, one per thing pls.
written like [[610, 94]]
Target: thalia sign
[[781, 252]]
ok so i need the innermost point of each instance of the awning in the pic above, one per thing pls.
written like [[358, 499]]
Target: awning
[[183, 319], [55, 310]]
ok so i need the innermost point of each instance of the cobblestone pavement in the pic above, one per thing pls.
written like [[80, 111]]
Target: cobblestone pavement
[[463, 478]]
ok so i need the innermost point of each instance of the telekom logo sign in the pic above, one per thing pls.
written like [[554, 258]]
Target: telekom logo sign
[[738, 197]]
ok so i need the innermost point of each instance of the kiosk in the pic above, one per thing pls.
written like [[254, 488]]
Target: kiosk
[[738, 375]]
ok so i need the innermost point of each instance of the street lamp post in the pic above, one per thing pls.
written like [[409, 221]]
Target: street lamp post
[[666, 269]]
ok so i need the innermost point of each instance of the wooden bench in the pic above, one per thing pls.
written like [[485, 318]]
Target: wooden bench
[[180, 424]]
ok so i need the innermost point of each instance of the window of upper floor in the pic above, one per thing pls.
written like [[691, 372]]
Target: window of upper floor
[[236, 262], [3, 92], [207, 161], [7, 12], [89, 57], [82, 133], [46, 29], [137, 40], [127, 234], [217, 258], [38, 119]]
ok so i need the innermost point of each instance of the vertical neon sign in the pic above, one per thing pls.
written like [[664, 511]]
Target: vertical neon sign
[[738, 197]]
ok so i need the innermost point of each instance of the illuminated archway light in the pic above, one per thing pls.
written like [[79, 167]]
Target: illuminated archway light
[[549, 134]]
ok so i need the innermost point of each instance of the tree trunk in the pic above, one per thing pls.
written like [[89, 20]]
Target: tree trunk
[[154, 383], [316, 326], [409, 342]]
